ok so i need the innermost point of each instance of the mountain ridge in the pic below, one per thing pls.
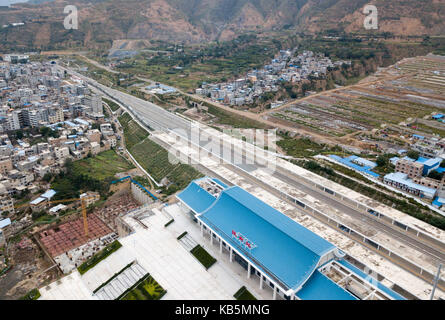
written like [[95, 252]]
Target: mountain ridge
[[194, 21]]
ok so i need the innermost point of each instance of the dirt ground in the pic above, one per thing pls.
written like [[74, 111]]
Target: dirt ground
[[28, 262]]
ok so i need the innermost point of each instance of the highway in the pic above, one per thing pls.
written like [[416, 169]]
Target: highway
[[157, 118]]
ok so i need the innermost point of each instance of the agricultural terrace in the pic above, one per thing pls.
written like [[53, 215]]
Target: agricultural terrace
[[404, 98], [348, 111], [133, 132], [429, 74], [113, 105], [155, 159]]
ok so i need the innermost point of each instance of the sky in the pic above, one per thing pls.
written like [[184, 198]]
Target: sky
[[8, 2]]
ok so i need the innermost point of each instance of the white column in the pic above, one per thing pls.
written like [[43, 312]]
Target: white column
[[220, 246], [202, 230], [211, 238], [292, 296], [274, 292], [248, 270], [230, 253], [261, 281]]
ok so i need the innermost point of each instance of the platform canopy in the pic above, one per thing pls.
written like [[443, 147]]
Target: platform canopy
[[271, 241]]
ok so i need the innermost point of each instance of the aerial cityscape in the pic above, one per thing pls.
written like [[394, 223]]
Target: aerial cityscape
[[229, 150]]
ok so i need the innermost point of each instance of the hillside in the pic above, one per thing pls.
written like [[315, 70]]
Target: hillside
[[191, 21]]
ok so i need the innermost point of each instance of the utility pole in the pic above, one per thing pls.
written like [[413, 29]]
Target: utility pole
[[436, 281]]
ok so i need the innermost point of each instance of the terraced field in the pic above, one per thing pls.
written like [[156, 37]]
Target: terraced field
[[154, 158], [133, 132], [404, 97]]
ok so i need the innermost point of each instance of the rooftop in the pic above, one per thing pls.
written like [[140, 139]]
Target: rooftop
[[277, 241], [4, 223]]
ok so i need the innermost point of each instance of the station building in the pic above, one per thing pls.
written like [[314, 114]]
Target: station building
[[292, 260]]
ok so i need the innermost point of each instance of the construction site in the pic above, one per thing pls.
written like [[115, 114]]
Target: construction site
[[57, 249]]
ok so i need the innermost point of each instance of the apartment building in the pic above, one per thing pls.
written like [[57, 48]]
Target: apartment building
[[5, 166], [411, 168]]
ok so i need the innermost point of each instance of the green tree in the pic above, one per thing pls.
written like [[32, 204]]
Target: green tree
[[413, 154], [382, 161]]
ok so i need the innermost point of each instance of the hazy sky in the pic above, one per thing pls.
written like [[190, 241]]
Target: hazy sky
[[8, 2]]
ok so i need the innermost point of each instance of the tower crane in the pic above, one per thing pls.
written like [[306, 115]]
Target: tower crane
[[83, 207]]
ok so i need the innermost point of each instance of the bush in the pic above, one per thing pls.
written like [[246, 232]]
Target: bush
[[203, 256], [169, 223], [145, 289], [243, 294], [98, 257], [34, 294], [182, 235]]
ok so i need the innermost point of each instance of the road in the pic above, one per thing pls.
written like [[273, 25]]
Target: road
[[160, 119]]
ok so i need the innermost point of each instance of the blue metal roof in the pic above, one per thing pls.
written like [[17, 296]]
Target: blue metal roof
[[48, 194], [371, 280], [402, 178], [436, 202], [348, 162], [284, 249], [440, 169], [196, 197], [320, 287]]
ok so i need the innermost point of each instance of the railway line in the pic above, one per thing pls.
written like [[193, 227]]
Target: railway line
[[159, 119]]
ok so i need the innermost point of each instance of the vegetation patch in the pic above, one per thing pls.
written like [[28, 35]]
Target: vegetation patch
[[133, 132], [104, 165], [234, 120], [303, 147], [155, 159], [169, 223], [244, 294], [98, 257], [113, 105], [146, 289], [203, 256], [181, 235], [34, 294]]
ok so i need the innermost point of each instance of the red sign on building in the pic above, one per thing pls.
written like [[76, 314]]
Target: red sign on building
[[243, 240]]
